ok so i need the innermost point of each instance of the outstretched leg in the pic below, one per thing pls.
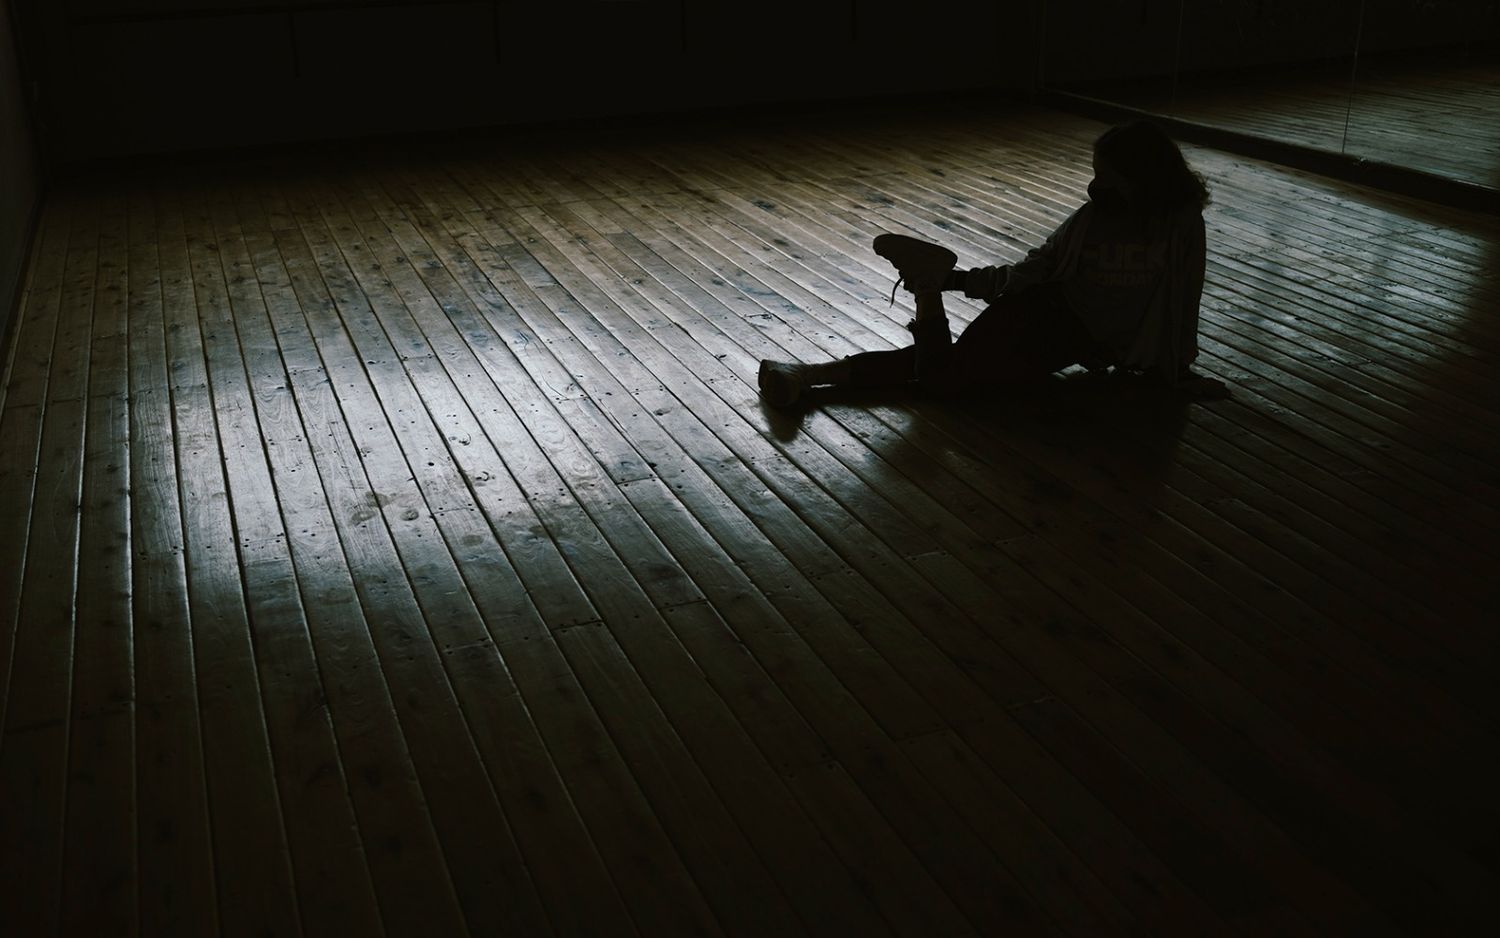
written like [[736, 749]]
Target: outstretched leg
[[923, 267], [782, 383]]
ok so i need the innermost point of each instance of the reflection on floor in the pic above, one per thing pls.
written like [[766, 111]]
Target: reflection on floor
[[1440, 117]]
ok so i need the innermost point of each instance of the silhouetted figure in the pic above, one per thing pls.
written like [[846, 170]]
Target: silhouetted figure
[[1117, 284]]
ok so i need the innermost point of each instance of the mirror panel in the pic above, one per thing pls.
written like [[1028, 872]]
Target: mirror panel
[[1275, 70], [1427, 88]]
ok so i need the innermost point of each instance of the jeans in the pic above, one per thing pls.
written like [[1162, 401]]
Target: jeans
[[1020, 337]]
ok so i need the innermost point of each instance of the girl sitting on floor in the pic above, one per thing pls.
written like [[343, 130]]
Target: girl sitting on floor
[[1117, 284]]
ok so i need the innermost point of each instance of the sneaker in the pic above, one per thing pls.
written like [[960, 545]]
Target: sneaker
[[921, 264], [781, 383]]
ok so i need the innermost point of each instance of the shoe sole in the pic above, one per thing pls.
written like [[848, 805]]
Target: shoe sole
[[914, 256]]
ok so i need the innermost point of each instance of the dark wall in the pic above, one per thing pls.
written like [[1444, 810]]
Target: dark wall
[[138, 76], [18, 171], [1088, 40], [133, 76]]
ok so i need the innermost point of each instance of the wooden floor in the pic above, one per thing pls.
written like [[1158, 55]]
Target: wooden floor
[[397, 546], [1441, 117]]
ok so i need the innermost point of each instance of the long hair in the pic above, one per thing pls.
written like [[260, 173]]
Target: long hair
[[1153, 165]]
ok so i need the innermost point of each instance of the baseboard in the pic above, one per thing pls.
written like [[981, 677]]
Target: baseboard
[[600, 127]]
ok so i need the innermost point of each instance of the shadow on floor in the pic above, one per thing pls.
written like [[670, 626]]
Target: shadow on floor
[[1083, 412]]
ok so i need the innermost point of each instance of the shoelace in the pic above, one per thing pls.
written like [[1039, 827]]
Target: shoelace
[[899, 281]]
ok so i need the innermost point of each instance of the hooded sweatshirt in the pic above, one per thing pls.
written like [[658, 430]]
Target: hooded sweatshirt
[[1133, 280]]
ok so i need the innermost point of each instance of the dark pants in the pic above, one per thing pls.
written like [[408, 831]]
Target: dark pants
[[1019, 337]]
